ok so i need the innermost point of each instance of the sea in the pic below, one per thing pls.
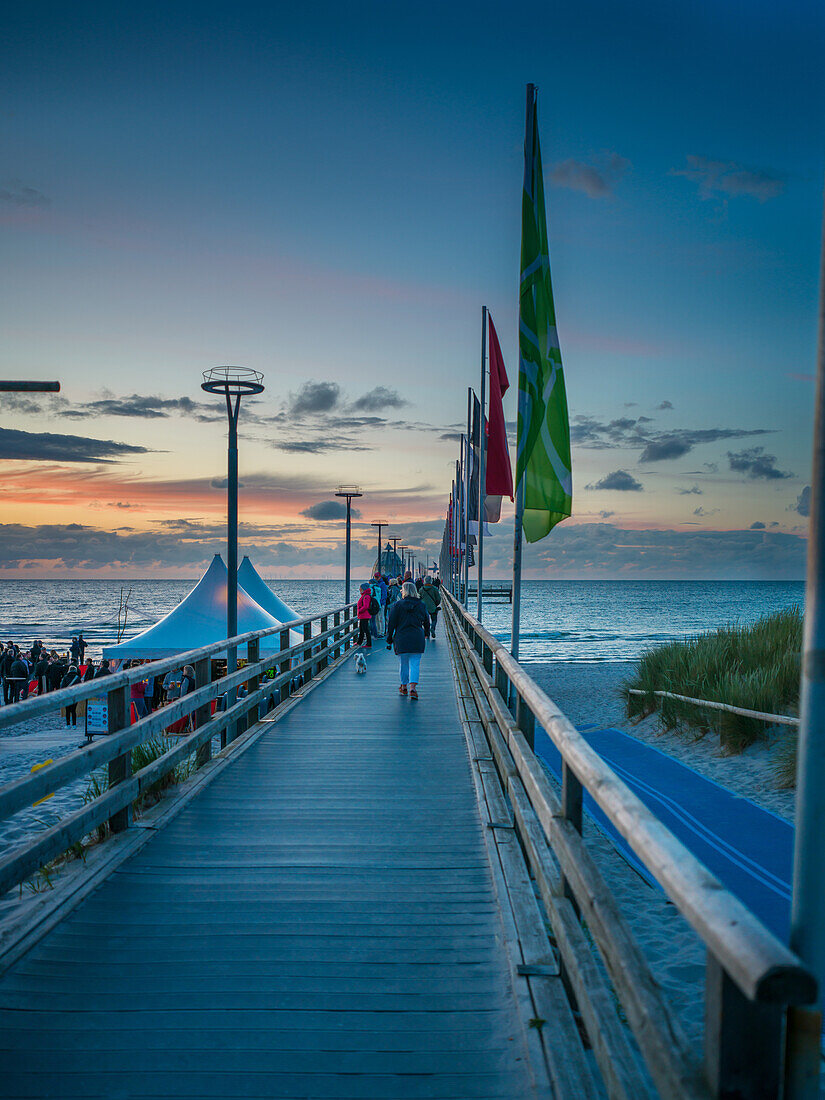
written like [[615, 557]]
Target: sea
[[561, 620]]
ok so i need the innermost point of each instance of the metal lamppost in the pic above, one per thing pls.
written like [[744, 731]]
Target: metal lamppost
[[395, 543], [29, 387], [233, 383], [348, 491], [380, 527], [403, 559]]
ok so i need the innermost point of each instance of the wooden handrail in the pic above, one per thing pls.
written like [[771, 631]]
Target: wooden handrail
[[23, 792], [762, 716], [762, 967]]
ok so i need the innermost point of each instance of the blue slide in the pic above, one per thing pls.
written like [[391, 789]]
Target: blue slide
[[749, 849]]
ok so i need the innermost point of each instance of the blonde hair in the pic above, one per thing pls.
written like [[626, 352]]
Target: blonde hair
[[409, 589]]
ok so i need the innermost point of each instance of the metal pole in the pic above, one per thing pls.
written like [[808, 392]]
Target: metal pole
[[232, 545], [808, 901], [482, 460], [467, 446], [349, 535]]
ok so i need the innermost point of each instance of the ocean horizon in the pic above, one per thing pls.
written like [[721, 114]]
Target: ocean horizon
[[562, 620]]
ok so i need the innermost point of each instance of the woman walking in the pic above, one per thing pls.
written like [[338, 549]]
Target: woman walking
[[364, 617], [408, 628]]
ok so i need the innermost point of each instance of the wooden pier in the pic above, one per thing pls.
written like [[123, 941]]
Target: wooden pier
[[365, 896]]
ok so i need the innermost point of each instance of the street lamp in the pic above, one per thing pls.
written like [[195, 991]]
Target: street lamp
[[233, 383], [395, 543], [348, 491], [403, 559], [380, 527]]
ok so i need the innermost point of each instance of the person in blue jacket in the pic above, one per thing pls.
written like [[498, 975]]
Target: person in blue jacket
[[408, 629]]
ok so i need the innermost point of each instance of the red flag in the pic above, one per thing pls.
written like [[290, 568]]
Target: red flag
[[499, 475]]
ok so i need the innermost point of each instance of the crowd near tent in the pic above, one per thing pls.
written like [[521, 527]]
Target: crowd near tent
[[200, 620]]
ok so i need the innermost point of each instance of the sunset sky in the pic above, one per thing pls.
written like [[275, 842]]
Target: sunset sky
[[329, 194]]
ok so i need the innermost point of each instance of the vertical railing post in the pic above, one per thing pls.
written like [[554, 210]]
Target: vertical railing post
[[525, 720], [306, 654], [502, 683], [743, 1040], [284, 667], [120, 768], [336, 622], [571, 810], [322, 664], [487, 658], [253, 655], [203, 714]]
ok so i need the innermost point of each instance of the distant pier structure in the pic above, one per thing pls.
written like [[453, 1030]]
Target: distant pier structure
[[390, 564]]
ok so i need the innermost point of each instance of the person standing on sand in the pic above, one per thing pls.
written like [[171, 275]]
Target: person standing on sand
[[408, 628], [364, 617], [41, 672], [431, 598], [71, 678]]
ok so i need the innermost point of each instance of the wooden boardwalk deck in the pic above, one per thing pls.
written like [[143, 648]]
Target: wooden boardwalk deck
[[320, 921]]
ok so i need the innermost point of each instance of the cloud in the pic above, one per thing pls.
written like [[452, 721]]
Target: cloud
[[223, 483], [757, 525], [606, 515], [665, 405], [597, 179], [315, 397], [756, 464], [720, 177], [619, 480], [656, 446], [694, 491], [803, 502], [329, 509], [378, 399], [49, 447], [317, 446], [19, 194]]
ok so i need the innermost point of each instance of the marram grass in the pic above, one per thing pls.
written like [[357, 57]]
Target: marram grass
[[756, 667]]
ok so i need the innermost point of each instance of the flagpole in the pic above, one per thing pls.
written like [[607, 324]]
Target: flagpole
[[808, 898], [517, 530], [467, 445], [482, 460]]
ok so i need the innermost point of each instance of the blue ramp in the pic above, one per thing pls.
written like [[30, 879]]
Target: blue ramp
[[750, 850]]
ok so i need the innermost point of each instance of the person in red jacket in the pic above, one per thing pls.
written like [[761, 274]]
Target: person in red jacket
[[364, 617]]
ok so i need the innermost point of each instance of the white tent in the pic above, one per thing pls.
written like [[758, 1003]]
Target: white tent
[[199, 620], [251, 581]]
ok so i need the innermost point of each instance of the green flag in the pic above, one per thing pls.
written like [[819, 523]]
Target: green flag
[[543, 425]]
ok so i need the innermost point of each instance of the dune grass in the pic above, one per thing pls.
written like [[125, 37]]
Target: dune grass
[[756, 667]]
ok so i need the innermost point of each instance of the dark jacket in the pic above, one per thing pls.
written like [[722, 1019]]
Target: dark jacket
[[55, 673], [19, 670], [70, 679], [409, 626], [430, 597]]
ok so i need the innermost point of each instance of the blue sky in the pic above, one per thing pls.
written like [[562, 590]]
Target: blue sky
[[331, 194]]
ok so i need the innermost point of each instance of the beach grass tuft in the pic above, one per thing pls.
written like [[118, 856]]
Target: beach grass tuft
[[756, 667]]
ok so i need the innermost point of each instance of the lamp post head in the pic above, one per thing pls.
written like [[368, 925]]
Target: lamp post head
[[233, 381], [348, 491]]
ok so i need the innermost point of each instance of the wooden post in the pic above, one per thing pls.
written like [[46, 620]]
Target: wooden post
[[571, 808], [743, 1040], [203, 714], [525, 721], [336, 621], [502, 683], [253, 655], [487, 657], [120, 768], [307, 653], [322, 664], [284, 666]]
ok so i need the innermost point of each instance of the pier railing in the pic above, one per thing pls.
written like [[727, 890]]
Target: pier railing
[[751, 977], [334, 635]]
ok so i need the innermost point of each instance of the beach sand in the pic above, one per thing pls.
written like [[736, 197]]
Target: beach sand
[[588, 694]]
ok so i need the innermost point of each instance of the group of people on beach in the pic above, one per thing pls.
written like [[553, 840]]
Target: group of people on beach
[[405, 611], [37, 670]]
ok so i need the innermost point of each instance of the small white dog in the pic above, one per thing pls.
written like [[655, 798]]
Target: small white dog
[[360, 664]]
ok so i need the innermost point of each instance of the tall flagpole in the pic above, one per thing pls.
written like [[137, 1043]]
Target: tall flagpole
[[808, 899], [467, 445], [522, 398], [482, 460]]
